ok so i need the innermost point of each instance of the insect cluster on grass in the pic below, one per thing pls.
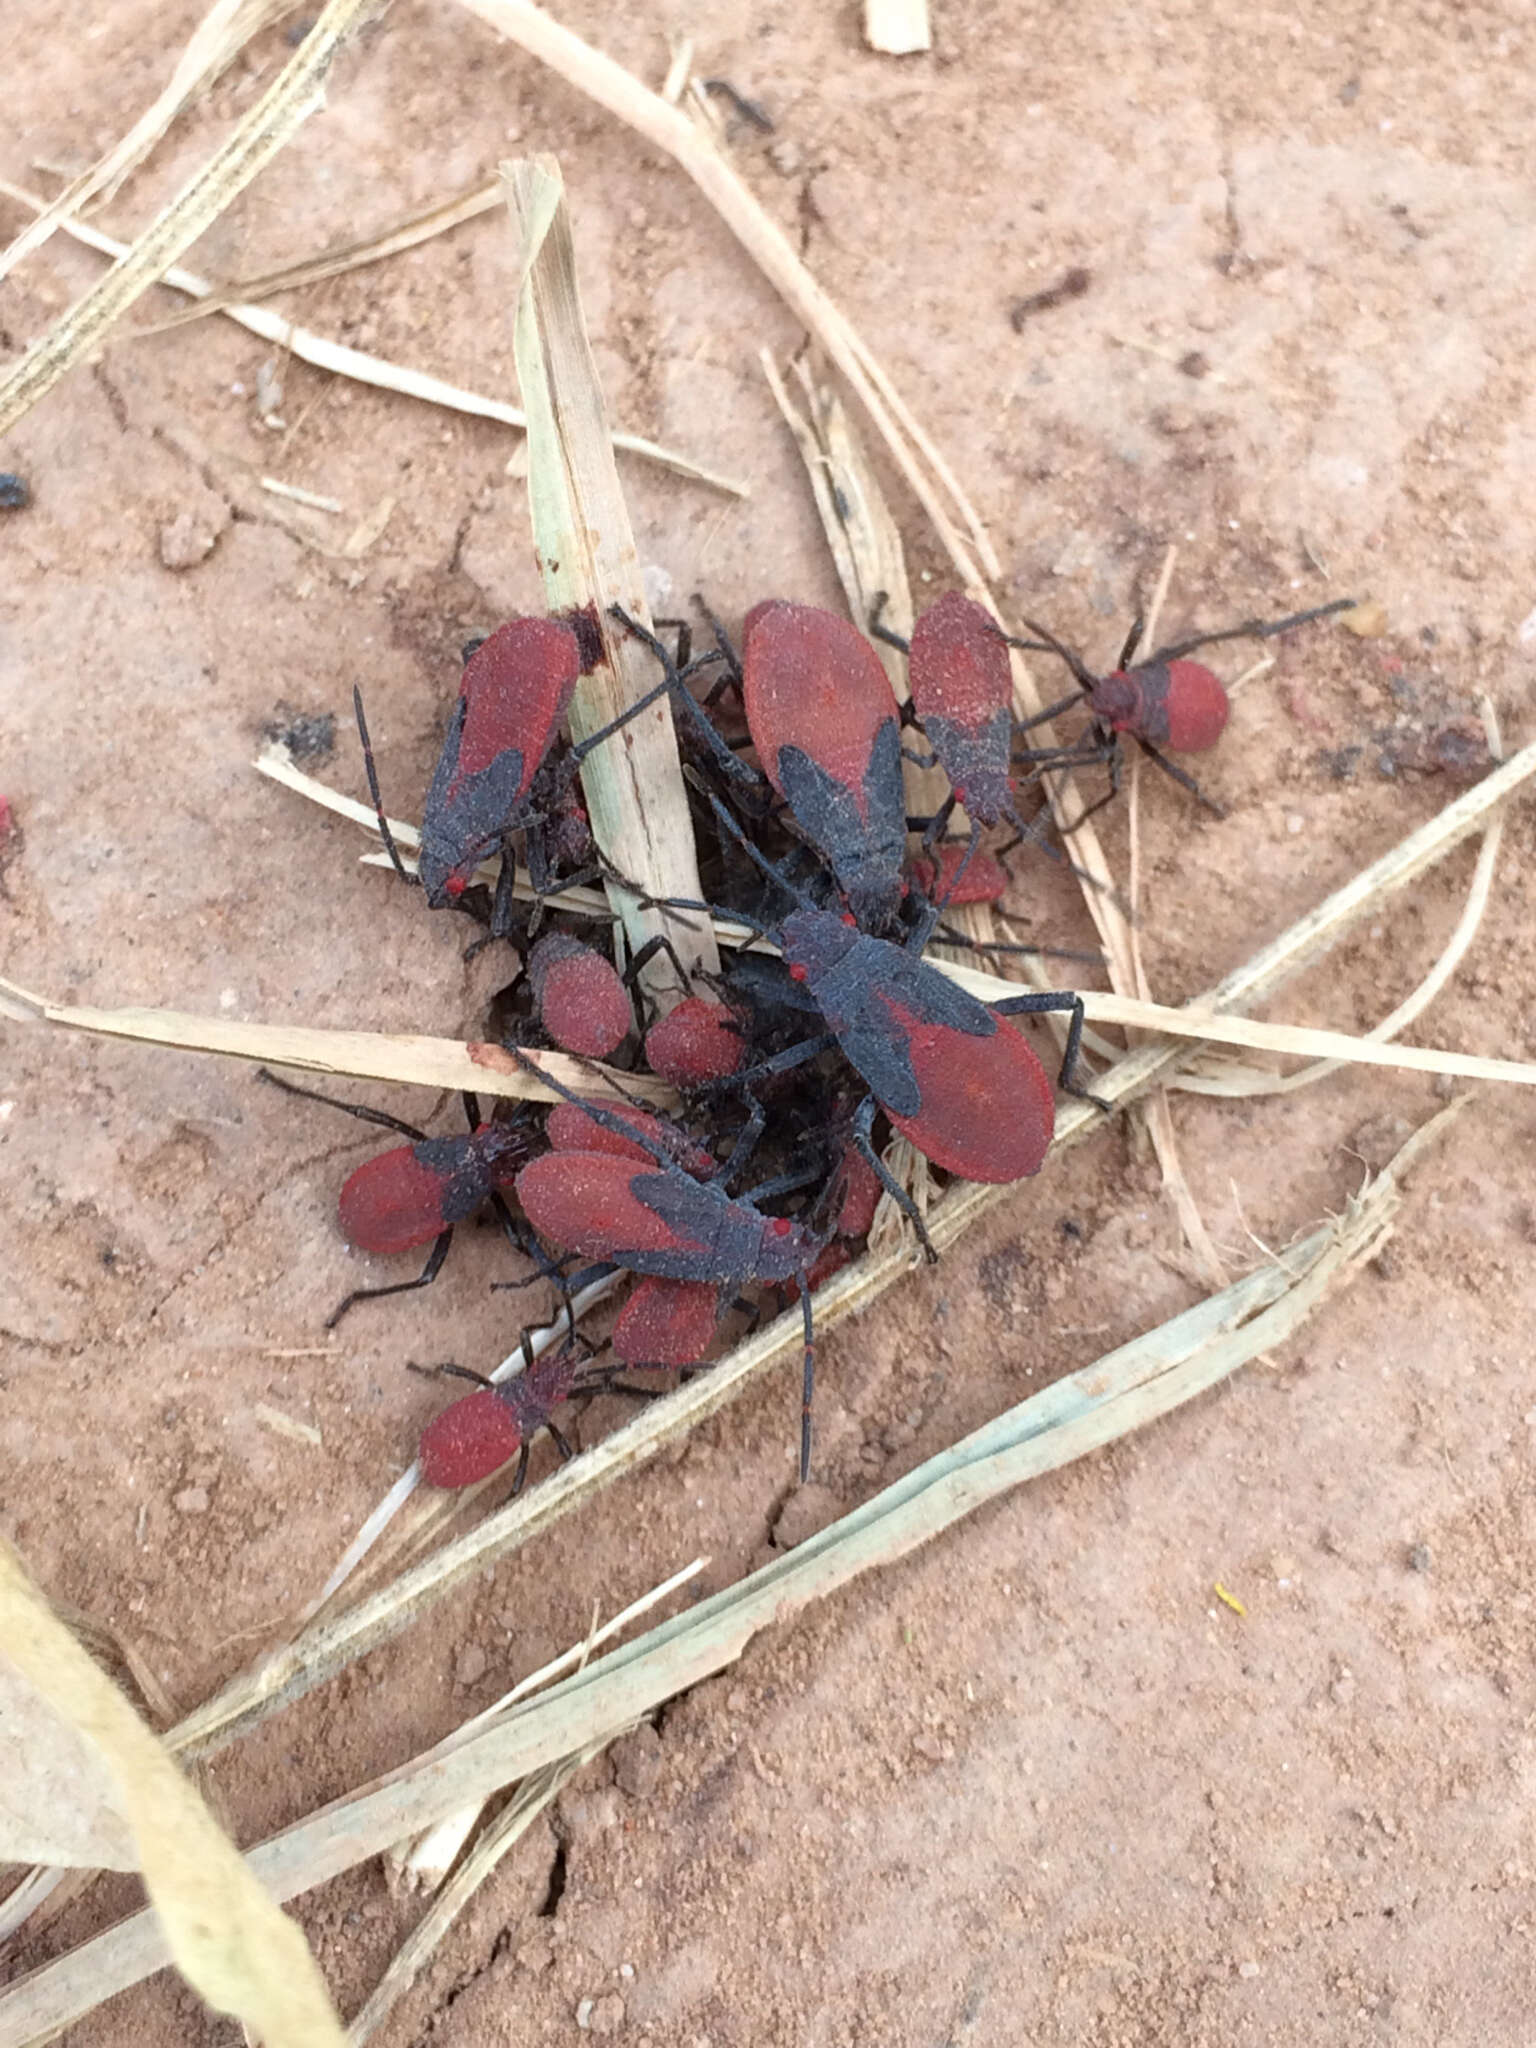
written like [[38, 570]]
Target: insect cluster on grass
[[795, 1064]]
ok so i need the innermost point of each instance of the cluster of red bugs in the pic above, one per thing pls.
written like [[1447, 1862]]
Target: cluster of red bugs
[[794, 1064]]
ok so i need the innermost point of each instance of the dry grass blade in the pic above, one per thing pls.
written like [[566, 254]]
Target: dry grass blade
[[409, 233], [1125, 1390], [217, 40], [1231, 1079], [296, 92], [587, 556], [611, 86], [375, 371], [213, 1918], [367, 1055]]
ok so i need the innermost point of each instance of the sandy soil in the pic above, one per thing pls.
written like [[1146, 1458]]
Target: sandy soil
[[1037, 1783]]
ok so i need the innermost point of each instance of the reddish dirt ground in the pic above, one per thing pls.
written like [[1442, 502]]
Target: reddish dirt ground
[[1036, 1783]]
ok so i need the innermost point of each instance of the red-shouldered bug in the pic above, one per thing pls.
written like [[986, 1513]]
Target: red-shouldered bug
[[477, 1435], [582, 1002], [495, 774], [823, 721], [962, 696], [1162, 700], [416, 1194]]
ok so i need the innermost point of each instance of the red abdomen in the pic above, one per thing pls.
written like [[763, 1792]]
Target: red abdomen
[[1197, 707], [988, 1110]]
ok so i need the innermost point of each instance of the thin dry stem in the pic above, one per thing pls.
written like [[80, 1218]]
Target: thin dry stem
[[217, 40], [587, 558], [422, 225], [296, 93]]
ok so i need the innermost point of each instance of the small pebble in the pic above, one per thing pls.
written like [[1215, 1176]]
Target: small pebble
[[469, 1667], [1248, 1969], [1420, 1558], [189, 538], [192, 1500], [15, 492], [607, 2015], [637, 1763]]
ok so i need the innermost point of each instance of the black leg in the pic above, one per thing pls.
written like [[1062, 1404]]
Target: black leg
[[878, 631], [1132, 642], [372, 772], [1082, 674], [428, 1274], [1253, 629], [357, 1109], [723, 641], [948, 936], [781, 1063], [561, 1443], [1185, 781], [863, 1124], [1057, 999], [746, 1143]]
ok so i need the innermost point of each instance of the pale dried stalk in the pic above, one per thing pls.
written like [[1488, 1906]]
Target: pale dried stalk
[[1125, 1390], [375, 371], [430, 1857], [436, 1063], [217, 40], [212, 1916], [587, 557], [296, 93], [420, 226]]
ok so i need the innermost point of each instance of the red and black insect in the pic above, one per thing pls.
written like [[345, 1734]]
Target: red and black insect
[[416, 1194], [823, 722], [1163, 700], [477, 1435], [667, 1323], [625, 1133], [697, 1042], [499, 771]]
